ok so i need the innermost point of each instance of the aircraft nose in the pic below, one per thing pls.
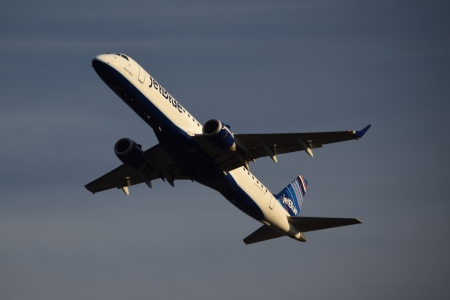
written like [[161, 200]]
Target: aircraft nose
[[102, 65], [104, 58]]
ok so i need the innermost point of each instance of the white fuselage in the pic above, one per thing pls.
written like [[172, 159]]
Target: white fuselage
[[170, 112]]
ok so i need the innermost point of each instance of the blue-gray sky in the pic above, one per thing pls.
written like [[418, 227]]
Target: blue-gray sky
[[260, 66]]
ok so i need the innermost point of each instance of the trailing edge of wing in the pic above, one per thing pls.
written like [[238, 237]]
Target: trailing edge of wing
[[263, 233], [305, 224]]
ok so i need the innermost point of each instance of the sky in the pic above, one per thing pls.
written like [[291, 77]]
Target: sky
[[262, 67]]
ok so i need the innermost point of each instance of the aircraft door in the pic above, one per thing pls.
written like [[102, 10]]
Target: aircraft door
[[272, 201], [141, 75]]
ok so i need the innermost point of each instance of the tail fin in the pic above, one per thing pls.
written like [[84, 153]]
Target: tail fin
[[291, 197]]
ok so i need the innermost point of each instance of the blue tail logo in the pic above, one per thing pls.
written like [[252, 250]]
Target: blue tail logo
[[291, 197]]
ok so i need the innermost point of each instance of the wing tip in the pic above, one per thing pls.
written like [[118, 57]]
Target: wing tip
[[86, 186], [359, 134]]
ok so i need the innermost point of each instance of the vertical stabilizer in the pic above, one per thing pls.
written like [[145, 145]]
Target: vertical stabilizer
[[291, 197]]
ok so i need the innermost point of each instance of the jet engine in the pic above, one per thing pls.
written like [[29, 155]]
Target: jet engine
[[130, 153], [219, 135]]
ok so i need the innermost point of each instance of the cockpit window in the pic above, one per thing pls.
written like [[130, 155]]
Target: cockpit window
[[124, 56]]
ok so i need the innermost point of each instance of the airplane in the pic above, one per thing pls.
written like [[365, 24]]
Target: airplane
[[210, 154]]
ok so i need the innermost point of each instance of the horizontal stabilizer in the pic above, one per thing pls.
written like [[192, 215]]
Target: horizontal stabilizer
[[305, 224], [264, 233]]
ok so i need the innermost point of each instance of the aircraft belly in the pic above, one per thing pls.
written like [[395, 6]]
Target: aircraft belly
[[240, 198]]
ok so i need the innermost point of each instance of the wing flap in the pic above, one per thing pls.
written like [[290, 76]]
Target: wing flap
[[263, 233], [305, 224]]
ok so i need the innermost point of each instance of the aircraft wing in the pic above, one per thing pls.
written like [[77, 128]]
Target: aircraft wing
[[253, 146], [305, 224], [161, 166], [260, 145]]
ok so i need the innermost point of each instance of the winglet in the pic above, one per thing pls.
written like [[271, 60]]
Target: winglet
[[359, 134]]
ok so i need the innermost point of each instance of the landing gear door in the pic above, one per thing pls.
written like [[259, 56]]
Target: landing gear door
[[142, 75]]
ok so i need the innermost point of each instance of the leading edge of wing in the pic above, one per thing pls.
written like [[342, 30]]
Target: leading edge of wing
[[280, 143], [252, 140]]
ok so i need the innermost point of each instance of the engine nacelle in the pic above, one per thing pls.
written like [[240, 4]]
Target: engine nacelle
[[130, 153], [219, 135]]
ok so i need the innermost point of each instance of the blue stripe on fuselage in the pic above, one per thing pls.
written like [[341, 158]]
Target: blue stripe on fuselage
[[241, 199]]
